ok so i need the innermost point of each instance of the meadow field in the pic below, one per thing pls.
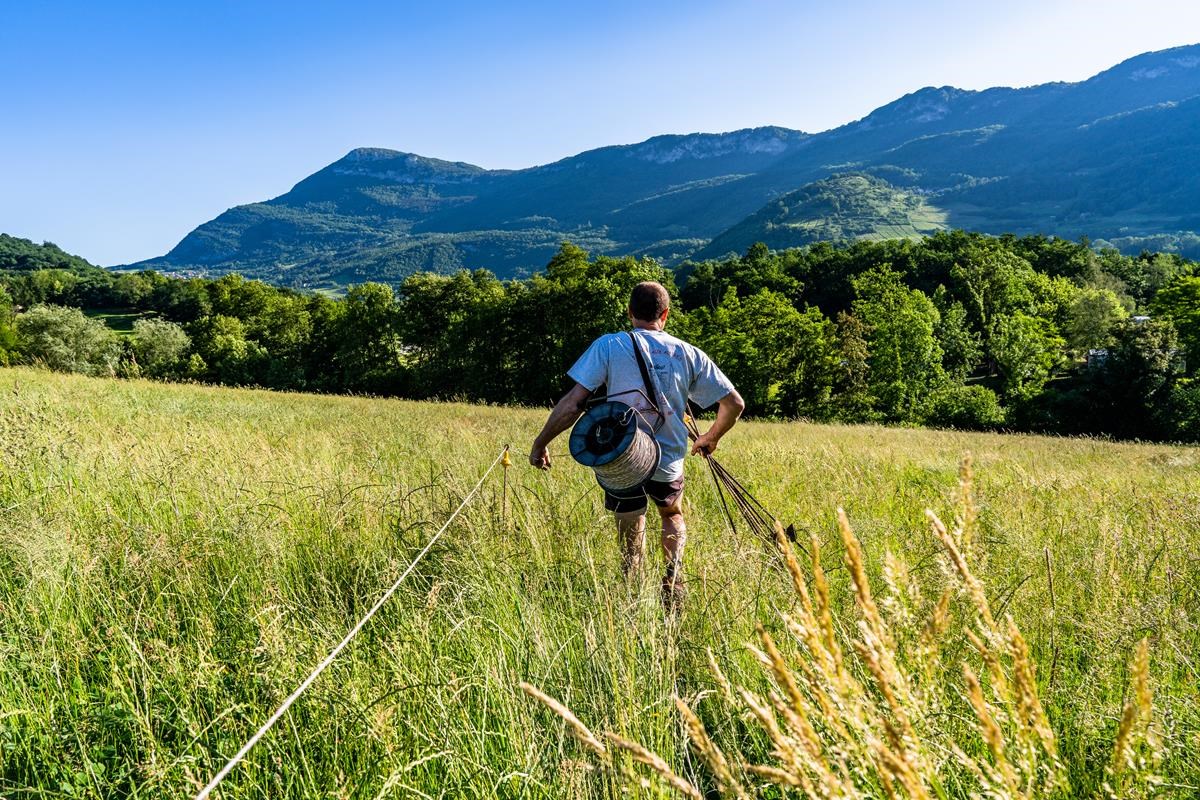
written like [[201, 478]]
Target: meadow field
[[175, 559]]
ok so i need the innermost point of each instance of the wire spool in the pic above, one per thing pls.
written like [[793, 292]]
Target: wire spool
[[618, 445]]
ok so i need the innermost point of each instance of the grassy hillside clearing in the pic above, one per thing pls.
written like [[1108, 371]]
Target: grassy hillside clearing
[[174, 559], [118, 319]]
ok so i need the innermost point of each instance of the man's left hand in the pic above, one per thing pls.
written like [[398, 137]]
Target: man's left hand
[[704, 445]]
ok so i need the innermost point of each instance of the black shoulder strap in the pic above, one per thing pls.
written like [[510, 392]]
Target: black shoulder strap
[[651, 389]]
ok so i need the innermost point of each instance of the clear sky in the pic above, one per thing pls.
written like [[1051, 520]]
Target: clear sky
[[126, 124]]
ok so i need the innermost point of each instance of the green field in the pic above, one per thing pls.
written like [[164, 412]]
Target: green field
[[118, 319], [175, 559]]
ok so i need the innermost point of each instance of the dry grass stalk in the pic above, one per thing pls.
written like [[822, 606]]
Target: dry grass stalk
[[877, 648], [804, 766], [826, 675], [708, 750], [968, 512], [778, 776], [897, 768], [824, 682], [577, 728], [973, 586], [991, 732], [878, 660], [809, 758], [723, 684], [903, 593], [785, 749], [1136, 715], [656, 764], [858, 575], [793, 567], [773, 661], [999, 680], [815, 629], [930, 645], [1031, 716], [824, 606]]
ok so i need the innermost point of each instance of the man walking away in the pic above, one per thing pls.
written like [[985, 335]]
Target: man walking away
[[680, 373]]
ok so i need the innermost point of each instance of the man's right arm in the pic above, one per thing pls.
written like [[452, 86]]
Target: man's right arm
[[729, 408], [561, 418]]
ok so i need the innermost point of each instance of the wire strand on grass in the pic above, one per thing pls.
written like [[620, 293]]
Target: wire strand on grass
[[325, 662]]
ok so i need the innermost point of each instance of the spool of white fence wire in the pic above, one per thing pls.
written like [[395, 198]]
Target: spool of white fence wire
[[617, 443]]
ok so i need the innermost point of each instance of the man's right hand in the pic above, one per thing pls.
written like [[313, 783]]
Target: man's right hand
[[539, 456]]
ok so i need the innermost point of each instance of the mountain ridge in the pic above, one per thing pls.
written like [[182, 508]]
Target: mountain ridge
[[1079, 158]]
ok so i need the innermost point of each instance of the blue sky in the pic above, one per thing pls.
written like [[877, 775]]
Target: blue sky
[[127, 124]]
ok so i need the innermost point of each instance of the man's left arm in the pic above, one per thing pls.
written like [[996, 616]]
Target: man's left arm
[[729, 409], [562, 417]]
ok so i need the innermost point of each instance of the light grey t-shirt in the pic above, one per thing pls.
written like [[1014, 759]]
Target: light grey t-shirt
[[680, 371]]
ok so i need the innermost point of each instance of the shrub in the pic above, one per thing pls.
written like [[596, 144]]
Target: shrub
[[966, 407], [159, 348], [66, 340]]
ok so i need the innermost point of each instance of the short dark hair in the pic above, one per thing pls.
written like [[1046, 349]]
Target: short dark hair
[[648, 301]]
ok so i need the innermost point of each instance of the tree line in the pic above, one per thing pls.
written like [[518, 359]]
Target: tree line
[[955, 330]]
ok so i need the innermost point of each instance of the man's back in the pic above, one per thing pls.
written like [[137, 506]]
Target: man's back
[[680, 371]]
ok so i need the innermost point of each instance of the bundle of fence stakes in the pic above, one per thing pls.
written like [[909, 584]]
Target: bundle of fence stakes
[[762, 523]]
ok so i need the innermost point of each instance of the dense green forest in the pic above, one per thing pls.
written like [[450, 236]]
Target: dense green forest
[[956, 329]]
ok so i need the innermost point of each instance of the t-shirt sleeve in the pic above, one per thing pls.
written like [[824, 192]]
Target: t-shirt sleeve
[[709, 384], [591, 370]]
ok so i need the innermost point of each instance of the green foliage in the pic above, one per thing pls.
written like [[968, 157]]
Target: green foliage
[[1185, 410], [159, 348], [784, 359], [66, 340], [852, 376], [369, 345], [760, 268], [231, 357], [474, 337], [992, 282], [8, 328], [1179, 301], [1091, 318], [1027, 350], [886, 331], [904, 355], [1132, 388], [22, 255], [962, 345], [966, 407]]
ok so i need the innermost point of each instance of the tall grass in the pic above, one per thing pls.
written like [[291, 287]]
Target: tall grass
[[867, 711], [174, 559]]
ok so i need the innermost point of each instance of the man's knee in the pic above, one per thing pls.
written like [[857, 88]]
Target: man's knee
[[672, 511], [625, 518]]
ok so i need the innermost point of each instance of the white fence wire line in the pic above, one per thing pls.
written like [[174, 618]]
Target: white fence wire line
[[325, 662]]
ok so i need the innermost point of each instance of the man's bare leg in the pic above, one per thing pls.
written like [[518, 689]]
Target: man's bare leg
[[631, 535], [674, 537], [674, 533]]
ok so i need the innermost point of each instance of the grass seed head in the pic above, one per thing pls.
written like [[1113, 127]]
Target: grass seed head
[[577, 728], [656, 763]]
